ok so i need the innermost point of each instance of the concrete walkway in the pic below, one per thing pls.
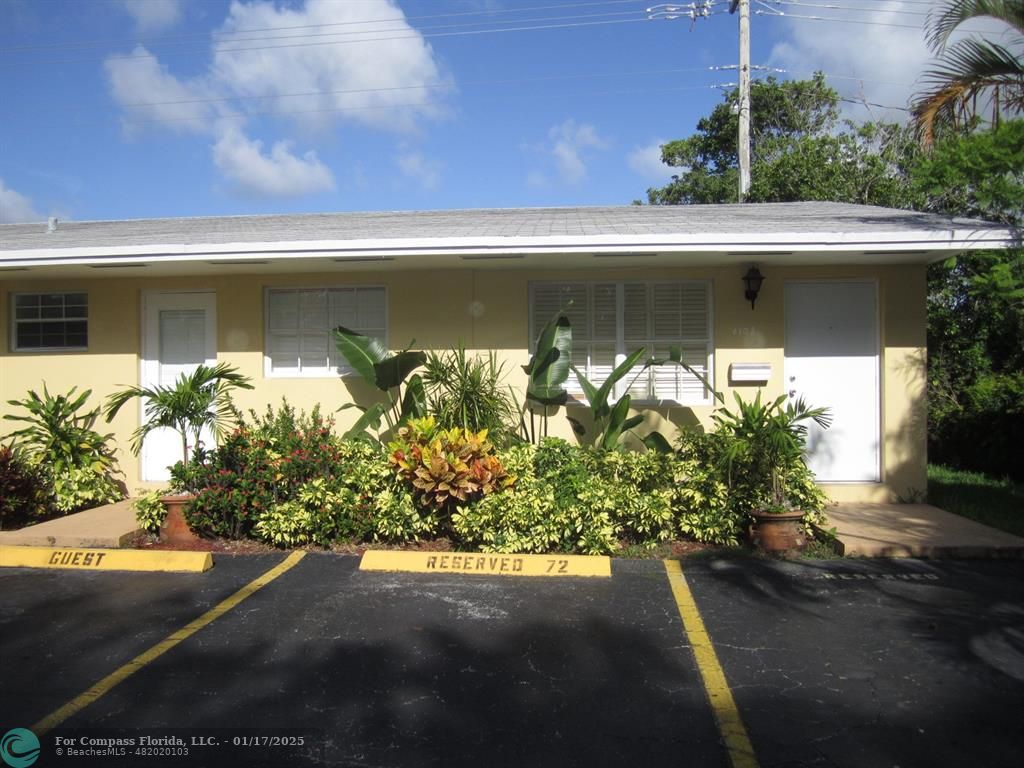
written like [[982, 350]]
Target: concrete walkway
[[916, 530], [112, 525]]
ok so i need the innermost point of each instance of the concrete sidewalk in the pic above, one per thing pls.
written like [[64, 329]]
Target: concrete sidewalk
[[112, 525], [916, 530]]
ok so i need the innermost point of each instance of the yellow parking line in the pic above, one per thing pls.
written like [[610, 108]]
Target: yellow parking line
[[83, 700], [730, 725]]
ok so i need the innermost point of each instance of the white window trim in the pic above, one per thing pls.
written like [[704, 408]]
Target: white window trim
[[269, 373], [620, 343], [12, 300]]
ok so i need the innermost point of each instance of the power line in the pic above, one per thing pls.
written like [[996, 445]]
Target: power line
[[771, 13], [421, 30], [415, 35], [204, 35], [424, 86], [836, 7], [364, 108]]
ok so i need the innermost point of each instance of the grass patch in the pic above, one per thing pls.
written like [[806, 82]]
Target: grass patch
[[997, 503]]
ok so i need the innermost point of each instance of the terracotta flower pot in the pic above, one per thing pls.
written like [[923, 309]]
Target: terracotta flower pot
[[778, 531], [174, 529]]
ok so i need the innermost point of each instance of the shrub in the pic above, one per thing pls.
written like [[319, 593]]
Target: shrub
[[446, 467], [701, 493], [572, 499], [397, 517], [538, 514], [286, 478], [74, 458], [979, 430], [322, 512], [150, 511], [24, 491]]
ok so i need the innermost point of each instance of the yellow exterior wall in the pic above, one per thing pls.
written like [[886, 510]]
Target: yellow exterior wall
[[486, 309]]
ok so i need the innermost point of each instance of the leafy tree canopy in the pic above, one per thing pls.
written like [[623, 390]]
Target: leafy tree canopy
[[800, 150]]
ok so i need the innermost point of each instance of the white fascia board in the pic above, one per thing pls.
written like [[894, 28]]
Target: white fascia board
[[796, 242]]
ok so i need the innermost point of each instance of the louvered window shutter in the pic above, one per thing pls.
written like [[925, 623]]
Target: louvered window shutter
[[611, 320], [300, 322]]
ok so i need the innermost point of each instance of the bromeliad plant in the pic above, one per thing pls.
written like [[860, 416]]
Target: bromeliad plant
[[61, 441], [388, 373], [446, 467]]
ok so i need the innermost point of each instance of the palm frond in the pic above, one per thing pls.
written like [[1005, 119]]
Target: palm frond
[[943, 22], [968, 69]]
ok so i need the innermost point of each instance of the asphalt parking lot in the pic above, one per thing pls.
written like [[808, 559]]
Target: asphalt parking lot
[[840, 662]]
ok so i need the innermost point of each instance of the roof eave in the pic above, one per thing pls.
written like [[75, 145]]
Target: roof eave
[[919, 247]]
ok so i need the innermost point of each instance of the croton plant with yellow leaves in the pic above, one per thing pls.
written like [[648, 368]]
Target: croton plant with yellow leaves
[[446, 467]]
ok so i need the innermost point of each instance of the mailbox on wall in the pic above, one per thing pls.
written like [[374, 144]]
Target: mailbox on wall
[[750, 373]]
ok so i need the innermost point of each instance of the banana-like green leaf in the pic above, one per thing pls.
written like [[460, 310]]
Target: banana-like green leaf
[[361, 352], [656, 441], [632, 421], [675, 356], [577, 428], [371, 418], [589, 390], [600, 401], [391, 371], [414, 402], [548, 369], [616, 423]]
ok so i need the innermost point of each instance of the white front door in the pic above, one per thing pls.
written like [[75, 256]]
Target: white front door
[[832, 361], [179, 334]]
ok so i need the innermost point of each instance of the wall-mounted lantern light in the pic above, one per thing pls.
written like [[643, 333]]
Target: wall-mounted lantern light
[[752, 280]]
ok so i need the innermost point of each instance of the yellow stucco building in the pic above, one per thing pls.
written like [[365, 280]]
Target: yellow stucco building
[[839, 318]]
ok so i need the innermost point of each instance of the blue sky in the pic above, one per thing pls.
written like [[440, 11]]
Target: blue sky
[[116, 109]]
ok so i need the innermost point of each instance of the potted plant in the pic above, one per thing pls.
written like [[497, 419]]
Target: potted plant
[[763, 457], [196, 401]]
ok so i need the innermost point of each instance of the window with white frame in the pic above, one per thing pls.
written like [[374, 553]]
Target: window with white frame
[[612, 319], [300, 321], [49, 321]]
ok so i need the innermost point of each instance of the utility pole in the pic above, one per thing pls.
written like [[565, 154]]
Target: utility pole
[[701, 9], [744, 106]]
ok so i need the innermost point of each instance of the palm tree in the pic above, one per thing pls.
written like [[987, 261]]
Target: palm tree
[[197, 400], [972, 67]]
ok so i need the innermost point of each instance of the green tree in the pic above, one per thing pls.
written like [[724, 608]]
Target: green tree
[[196, 401], [971, 68], [800, 150], [976, 304]]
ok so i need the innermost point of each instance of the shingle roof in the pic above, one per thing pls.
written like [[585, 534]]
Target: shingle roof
[[828, 220]]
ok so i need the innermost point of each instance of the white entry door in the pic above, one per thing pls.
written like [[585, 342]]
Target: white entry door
[[179, 334], [832, 361]]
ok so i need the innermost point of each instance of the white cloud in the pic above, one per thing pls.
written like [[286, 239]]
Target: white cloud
[[645, 161], [278, 173], [426, 172], [140, 79], [15, 207], [315, 83], [867, 62], [153, 15], [381, 82], [536, 179], [569, 142]]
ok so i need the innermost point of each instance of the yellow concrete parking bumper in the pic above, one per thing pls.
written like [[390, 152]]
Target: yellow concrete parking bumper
[[104, 559], [484, 564]]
